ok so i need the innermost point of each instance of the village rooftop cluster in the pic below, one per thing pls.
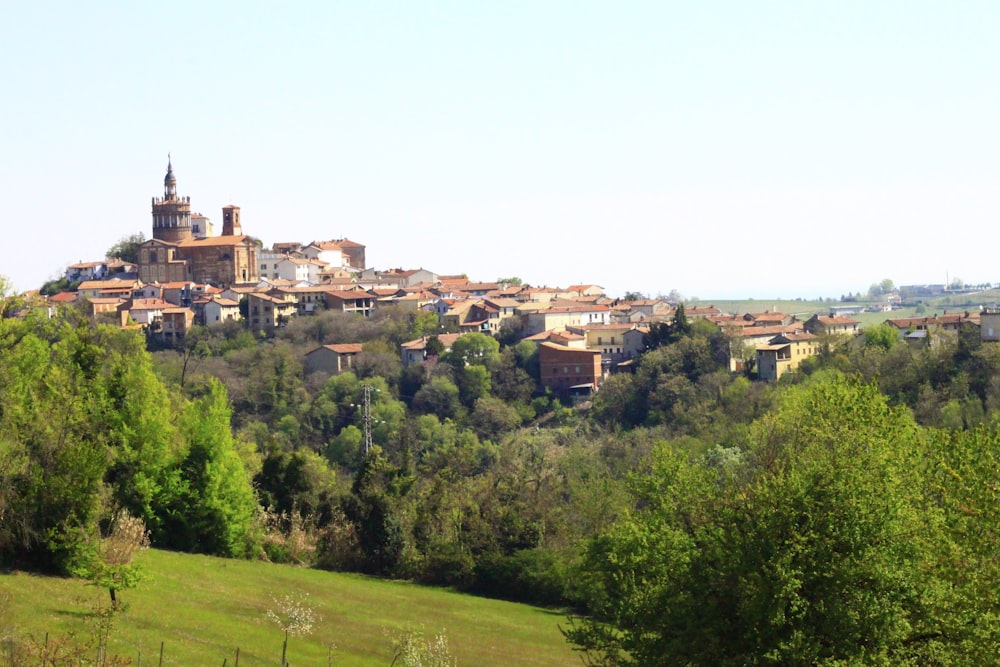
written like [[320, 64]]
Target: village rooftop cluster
[[186, 275]]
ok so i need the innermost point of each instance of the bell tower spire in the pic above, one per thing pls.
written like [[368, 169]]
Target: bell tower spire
[[169, 181], [172, 214]]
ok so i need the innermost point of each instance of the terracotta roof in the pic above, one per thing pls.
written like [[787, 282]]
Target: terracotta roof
[[564, 348], [149, 304], [607, 327], [754, 332], [798, 336], [419, 344], [342, 348], [225, 303], [833, 320], [215, 241], [63, 297], [114, 283]]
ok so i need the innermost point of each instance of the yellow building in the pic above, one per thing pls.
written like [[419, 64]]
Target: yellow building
[[784, 353]]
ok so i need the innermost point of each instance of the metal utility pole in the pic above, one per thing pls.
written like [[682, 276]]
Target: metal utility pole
[[366, 405]]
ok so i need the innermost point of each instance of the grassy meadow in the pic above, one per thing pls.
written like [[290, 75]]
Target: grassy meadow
[[203, 608]]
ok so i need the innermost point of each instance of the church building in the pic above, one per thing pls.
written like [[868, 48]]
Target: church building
[[177, 254]]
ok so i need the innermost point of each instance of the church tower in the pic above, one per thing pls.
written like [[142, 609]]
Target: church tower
[[171, 214], [231, 225]]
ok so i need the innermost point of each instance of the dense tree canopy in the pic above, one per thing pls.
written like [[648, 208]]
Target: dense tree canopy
[[821, 541]]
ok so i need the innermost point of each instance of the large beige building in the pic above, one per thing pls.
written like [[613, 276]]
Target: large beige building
[[176, 254]]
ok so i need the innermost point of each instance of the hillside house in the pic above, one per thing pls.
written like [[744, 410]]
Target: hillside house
[[569, 371], [217, 310], [831, 324], [332, 359], [784, 353], [415, 351]]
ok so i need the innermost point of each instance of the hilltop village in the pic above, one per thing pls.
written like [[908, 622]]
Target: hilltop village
[[187, 275]]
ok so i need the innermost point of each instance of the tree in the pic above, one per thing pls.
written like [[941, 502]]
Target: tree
[[10, 301], [112, 565], [371, 508], [814, 546], [883, 336], [213, 506], [492, 417], [474, 349], [127, 248], [440, 396]]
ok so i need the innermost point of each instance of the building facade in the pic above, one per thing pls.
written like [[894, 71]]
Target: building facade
[[176, 253]]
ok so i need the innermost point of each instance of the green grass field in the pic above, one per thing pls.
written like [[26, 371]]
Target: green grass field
[[203, 608]]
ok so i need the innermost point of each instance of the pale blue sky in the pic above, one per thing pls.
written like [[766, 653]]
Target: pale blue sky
[[723, 149]]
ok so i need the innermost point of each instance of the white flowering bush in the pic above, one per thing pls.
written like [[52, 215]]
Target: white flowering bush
[[411, 649], [294, 615]]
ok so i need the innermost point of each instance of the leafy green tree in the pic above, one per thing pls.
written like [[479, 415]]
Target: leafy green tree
[[213, 506], [53, 456], [491, 418], [473, 382], [814, 547], [440, 396], [884, 336], [127, 248], [372, 509], [474, 349], [113, 565], [434, 348]]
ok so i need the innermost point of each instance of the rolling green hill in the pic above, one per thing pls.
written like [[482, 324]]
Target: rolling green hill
[[203, 608]]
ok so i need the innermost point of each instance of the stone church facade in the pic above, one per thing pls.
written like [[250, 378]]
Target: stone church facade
[[175, 254]]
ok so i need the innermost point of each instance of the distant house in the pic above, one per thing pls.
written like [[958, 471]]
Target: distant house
[[784, 353], [831, 324], [267, 312], [332, 359], [562, 316], [945, 322], [92, 289], [356, 301], [989, 325], [641, 310], [217, 310], [610, 340], [339, 252], [586, 290], [569, 371], [298, 269], [86, 271], [560, 337], [176, 322], [415, 351], [147, 312], [695, 312]]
